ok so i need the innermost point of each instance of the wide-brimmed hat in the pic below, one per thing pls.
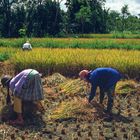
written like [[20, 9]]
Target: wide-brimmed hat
[[5, 80]]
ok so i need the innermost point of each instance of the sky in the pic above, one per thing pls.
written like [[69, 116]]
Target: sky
[[133, 5]]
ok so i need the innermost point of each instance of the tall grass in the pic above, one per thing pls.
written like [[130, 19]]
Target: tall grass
[[5, 53], [113, 35], [90, 43], [13, 42], [70, 61]]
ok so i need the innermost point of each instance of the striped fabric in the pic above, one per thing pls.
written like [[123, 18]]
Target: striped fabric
[[32, 89]]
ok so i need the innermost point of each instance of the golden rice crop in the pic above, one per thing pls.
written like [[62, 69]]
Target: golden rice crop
[[71, 61], [55, 79], [74, 87], [126, 87], [77, 109]]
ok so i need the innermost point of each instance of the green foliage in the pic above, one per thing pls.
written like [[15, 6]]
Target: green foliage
[[125, 15], [46, 18], [83, 16], [86, 16], [4, 56], [125, 34], [39, 18], [22, 32], [17, 43], [6, 53], [76, 42]]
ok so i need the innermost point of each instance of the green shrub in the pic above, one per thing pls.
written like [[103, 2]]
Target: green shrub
[[4, 56]]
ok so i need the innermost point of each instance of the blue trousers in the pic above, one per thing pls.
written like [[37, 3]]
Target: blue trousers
[[110, 95]]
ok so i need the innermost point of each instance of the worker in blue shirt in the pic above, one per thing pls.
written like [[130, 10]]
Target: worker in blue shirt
[[105, 79]]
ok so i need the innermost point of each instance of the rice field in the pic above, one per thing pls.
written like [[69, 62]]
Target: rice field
[[70, 61], [68, 117], [113, 35], [88, 43]]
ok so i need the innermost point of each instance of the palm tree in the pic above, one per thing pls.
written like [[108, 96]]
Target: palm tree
[[125, 14]]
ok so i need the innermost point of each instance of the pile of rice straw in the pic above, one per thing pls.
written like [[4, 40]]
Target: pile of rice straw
[[77, 109]]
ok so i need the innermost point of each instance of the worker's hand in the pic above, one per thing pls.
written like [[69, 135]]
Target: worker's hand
[[93, 102], [114, 94], [88, 85], [101, 105], [86, 101]]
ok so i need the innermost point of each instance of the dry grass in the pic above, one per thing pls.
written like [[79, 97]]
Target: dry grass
[[73, 87], [54, 80], [126, 87], [77, 109], [67, 116]]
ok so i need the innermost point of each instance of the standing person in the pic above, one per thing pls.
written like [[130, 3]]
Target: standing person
[[105, 79], [26, 46], [25, 86]]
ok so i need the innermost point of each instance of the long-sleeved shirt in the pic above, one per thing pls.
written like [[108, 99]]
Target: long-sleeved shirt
[[17, 82], [103, 78], [27, 46]]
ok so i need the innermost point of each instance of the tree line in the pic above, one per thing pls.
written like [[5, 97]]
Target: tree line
[[41, 18]]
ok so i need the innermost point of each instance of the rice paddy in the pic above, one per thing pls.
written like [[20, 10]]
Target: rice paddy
[[70, 61], [88, 43], [67, 116]]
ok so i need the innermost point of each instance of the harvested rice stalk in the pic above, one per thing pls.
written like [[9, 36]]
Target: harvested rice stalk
[[73, 87], [126, 87], [77, 109], [55, 79]]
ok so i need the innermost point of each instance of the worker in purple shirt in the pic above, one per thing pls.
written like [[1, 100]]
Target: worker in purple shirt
[[25, 86], [105, 79]]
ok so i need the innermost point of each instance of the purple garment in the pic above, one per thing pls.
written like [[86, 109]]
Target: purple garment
[[17, 82]]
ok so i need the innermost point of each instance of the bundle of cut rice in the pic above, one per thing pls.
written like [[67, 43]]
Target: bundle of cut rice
[[73, 87], [54, 79], [77, 109], [126, 87]]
